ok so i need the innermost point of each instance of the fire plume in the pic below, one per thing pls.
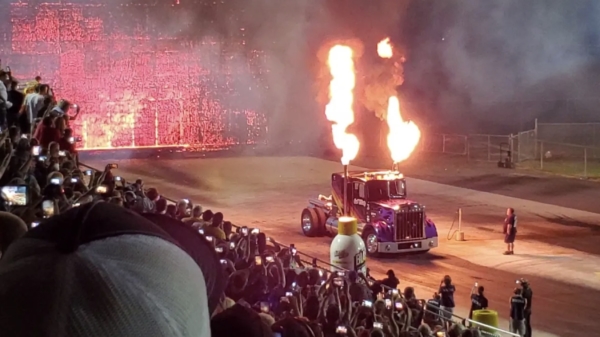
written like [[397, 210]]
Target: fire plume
[[339, 110], [384, 49], [404, 135]]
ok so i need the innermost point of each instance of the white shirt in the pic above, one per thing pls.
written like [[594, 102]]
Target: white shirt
[[4, 95], [34, 103]]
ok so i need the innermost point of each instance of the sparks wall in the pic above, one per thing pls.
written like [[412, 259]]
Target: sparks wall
[[137, 86]]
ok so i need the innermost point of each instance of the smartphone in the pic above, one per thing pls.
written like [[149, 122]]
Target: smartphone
[[338, 282], [17, 195], [398, 306], [255, 231], [76, 204], [187, 201], [55, 181], [118, 179], [201, 231], [258, 260], [101, 189], [264, 307], [35, 224], [289, 294], [367, 304], [377, 325], [518, 282], [73, 180], [270, 259], [388, 303], [232, 245], [394, 291], [48, 208], [294, 251], [223, 261], [244, 231], [87, 172], [341, 273], [36, 150], [71, 140], [24, 136], [42, 158], [342, 330], [209, 238], [219, 249], [62, 153], [440, 334]]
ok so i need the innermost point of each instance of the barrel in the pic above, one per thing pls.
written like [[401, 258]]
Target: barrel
[[487, 317]]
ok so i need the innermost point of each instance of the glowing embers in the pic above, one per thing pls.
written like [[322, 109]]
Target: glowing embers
[[136, 86]]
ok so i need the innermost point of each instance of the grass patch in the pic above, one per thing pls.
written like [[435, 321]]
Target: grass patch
[[572, 168]]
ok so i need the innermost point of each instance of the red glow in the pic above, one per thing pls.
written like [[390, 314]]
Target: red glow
[[136, 88]]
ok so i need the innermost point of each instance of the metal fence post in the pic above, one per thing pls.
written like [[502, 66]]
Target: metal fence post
[[541, 155], [489, 145], [443, 143], [585, 162]]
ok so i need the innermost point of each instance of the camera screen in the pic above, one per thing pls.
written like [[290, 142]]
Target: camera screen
[[270, 259], [15, 195], [367, 304], [35, 224], [219, 249], [398, 306], [48, 208], [101, 189], [73, 180], [245, 230], [55, 181], [62, 153], [36, 150], [42, 158], [118, 178], [377, 325], [88, 172], [341, 330], [264, 306], [258, 260]]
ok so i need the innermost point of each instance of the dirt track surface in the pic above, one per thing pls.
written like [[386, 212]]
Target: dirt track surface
[[270, 193]]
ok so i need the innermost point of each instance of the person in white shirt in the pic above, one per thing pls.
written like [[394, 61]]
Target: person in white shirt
[[33, 104], [4, 103]]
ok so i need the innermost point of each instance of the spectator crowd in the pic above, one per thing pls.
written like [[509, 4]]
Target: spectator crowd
[[85, 252]]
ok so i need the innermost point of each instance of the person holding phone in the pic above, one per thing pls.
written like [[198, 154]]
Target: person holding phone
[[446, 291], [215, 230], [65, 142]]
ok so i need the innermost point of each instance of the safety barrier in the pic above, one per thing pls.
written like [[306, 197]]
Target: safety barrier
[[329, 267]]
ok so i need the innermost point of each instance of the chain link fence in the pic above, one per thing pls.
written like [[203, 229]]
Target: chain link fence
[[585, 134], [444, 143]]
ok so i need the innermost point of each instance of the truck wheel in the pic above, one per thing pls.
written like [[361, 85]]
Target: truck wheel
[[369, 236], [309, 222], [322, 224]]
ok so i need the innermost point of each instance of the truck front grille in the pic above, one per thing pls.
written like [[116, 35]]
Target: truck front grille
[[409, 224]]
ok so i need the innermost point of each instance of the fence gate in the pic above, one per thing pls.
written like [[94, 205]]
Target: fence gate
[[526, 146]]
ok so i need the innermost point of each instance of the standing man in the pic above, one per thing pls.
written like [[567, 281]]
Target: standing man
[[510, 231], [446, 291], [528, 296], [5, 104], [517, 312]]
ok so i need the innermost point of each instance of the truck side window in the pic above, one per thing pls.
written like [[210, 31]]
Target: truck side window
[[361, 190]]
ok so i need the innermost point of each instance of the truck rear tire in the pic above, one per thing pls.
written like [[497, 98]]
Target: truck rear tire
[[322, 221], [309, 222]]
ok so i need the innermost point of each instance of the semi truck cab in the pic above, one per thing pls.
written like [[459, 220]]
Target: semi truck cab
[[388, 221]]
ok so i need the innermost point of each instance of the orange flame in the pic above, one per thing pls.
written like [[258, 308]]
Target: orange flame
[[339, 110], [404, 135], [384, 48]]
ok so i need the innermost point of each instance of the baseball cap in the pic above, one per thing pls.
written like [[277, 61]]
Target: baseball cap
[[102, 270]]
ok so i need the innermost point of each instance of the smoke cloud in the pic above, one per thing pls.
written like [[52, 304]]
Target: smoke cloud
[[504, 59]]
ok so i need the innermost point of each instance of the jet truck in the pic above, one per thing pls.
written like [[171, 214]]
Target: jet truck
[[388, 222]]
